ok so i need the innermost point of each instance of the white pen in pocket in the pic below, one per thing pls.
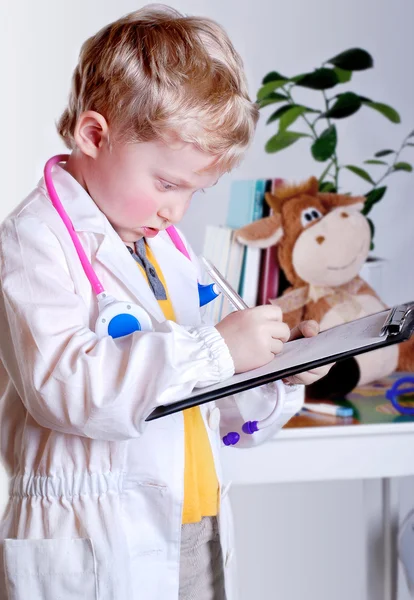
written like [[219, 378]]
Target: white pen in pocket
[[232, 296]]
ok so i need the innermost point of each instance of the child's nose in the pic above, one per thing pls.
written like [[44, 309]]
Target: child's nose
[[173, 213]]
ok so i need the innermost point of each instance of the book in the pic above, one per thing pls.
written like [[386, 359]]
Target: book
[[226, 253], [269, 263], [246, 205], [250, 275], [246, 202], [368, 402]]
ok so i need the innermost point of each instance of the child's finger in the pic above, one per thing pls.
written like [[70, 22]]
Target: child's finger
[[304, 329], [276, 346], [279, 331], [268, 311]]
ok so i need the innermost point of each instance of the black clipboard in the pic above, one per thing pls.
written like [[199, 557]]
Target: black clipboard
[[385, 328]]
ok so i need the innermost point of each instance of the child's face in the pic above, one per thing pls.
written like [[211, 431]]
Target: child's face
[[143, 188]]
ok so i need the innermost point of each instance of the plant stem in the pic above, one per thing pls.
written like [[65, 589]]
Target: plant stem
[[335, 156], [326, 172], [391, 167], [311, 126]]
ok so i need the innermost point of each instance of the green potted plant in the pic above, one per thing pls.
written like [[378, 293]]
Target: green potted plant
[[320, 123]]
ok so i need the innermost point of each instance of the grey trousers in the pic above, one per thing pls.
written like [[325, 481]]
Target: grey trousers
[[201, 563]]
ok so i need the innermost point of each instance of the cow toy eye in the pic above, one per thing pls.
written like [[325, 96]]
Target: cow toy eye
[[309, 215]]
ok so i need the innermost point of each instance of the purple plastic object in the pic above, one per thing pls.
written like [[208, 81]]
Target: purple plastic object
[[231, 438], [250, 427]]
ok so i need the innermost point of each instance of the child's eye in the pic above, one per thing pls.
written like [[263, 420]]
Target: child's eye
[[166, 186]]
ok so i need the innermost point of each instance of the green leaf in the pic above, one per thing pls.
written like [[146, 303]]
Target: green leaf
[[273, 76], [343, 75], [320, 79], [372, 228], [266, 89], [282, 140], [278, 113], [354, 59], [292, 114], [385, 110], [360, 172], [327, 186], [375, 162], [403, 166], [272, 98], [347, 104], [372, 198], [324, 147], [384, 153]]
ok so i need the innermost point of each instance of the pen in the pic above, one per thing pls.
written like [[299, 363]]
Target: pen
[[329, 409], [223, 285]]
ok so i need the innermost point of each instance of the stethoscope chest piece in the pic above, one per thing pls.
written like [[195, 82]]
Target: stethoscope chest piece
[[117, 318]]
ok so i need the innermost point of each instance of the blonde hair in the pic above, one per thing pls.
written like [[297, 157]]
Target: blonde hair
[[154, 73]]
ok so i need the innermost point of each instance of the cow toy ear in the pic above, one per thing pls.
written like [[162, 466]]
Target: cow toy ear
[[263, 233], [332, 201], [286, 192]]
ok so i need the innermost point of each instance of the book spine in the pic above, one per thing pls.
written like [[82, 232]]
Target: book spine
[[255, 213], [259, 193], [269, 268]]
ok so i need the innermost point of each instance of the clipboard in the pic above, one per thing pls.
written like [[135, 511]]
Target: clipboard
[[381, 329]]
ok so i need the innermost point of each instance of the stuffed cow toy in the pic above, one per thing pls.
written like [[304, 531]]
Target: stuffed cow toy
[[323, 240]]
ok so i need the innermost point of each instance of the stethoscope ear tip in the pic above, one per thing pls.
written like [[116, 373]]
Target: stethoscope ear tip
[[250, 427], [231, 438]]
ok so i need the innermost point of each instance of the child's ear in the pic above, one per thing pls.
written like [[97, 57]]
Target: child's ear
[[91, 132], [263, 233]]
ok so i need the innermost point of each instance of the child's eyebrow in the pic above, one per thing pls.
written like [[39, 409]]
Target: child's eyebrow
[[180, 182], [175, 180]]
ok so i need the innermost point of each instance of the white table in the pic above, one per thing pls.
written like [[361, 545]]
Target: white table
[[377, 451]]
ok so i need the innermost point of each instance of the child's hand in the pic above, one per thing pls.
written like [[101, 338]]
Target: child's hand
[[307, 329], [254, 336]]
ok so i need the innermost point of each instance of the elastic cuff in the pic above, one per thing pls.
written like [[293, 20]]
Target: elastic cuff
[[219, 352], [291, 388]]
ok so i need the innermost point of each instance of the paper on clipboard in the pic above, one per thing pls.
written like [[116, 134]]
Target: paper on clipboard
[[357, 334], [350, 339]]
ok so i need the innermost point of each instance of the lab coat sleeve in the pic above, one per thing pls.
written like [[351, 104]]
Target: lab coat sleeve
[[68, 379], [256, 404]]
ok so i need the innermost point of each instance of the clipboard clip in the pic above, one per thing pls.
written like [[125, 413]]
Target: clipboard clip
[[396, 319]]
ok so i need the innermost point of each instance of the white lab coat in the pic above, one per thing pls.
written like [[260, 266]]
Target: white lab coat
[[95, 492]]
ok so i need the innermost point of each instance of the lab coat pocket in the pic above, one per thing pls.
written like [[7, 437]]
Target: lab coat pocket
[[50, 569]]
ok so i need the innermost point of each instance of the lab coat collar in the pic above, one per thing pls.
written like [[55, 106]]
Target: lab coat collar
[[82, 210], [179, 272], [180, 275]]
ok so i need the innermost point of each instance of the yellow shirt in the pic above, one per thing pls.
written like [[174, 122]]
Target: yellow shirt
[[201, 489]]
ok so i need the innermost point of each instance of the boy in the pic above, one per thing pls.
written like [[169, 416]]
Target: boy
[[102, 504]]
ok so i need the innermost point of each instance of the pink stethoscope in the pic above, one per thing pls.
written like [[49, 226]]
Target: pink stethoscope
[[118, 318], [115, 318]]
